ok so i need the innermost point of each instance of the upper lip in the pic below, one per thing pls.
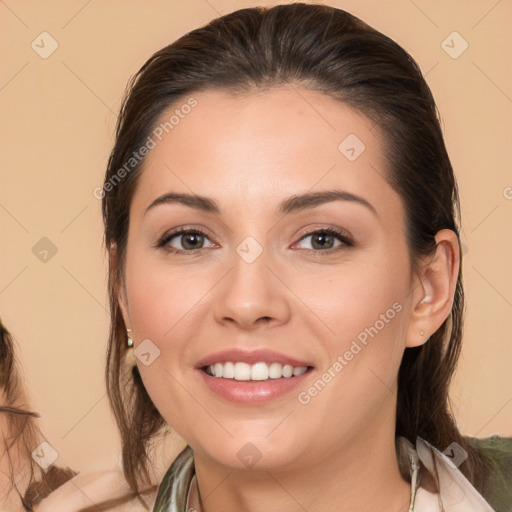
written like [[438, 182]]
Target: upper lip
[[250, 357]]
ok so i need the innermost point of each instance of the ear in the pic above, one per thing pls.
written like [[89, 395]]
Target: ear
[[119, 286], [434, 290]]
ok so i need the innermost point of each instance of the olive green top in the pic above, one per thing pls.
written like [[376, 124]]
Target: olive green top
[[496, 491]]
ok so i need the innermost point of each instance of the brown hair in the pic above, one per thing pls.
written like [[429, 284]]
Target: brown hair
[[330, 51], [23, 435]]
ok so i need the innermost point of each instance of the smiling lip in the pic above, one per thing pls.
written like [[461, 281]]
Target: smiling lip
[[250, 357], [251, 392]]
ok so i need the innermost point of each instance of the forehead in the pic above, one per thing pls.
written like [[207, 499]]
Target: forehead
[[256, 148]]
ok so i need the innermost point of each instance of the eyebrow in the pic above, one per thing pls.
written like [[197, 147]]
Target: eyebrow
[[290, 205]]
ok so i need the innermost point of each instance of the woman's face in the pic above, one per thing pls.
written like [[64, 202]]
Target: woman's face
[[258, 281]]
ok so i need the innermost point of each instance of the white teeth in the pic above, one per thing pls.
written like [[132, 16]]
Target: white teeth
[[275, 371], [287, 370], [242, 371], [299, 371], [228, 372], [258, 371]]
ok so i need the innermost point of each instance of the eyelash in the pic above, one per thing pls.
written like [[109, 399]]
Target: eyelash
[[342, 237]]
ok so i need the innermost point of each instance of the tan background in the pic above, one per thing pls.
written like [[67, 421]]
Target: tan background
[[58, 118]]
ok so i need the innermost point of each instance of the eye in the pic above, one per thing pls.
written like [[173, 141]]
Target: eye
[[184, 240], [326, 239]]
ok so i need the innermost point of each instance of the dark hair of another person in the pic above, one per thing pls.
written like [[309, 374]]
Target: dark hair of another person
[[23, 435], [323, 49]]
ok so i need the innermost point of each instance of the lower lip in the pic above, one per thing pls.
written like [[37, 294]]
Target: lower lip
[[253, 391]]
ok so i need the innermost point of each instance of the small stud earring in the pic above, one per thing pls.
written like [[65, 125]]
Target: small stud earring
[[130, 356], [129, 341]]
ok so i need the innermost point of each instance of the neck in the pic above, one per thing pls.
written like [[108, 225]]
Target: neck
[[362, 475]]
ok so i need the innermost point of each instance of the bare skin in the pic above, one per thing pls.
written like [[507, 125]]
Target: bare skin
[[88, 489], [249, 154]]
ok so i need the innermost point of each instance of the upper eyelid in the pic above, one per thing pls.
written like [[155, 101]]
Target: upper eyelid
[[337, 232], [166, 238], [345, 238], [333, 231]]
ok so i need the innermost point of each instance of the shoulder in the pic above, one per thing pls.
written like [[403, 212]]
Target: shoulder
[[498, 449], [89, 489], [496, 446], [498, 485]]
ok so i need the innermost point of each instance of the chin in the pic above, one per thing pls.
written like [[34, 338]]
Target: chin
[[253, 452]]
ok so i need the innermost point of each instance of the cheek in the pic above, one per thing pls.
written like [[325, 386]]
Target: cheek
[[162, 307], [161, 297], [367, 311], [365, 307], [363, 302]]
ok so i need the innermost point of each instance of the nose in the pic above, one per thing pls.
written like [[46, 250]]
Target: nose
[[251, 296]]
